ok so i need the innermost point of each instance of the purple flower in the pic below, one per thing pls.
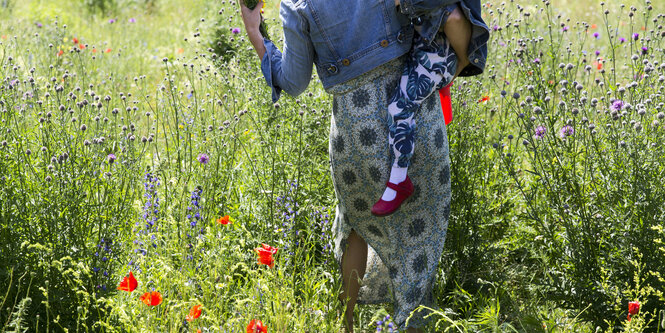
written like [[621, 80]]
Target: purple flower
[[645, 50], [566, 131], [39, 25], [203, 158], [540, 132], [495, 27], [617, 105], [636, 36], [536, 61], [111, 158], [596, 35], [565, 28], [111, 21], [597, 52], [622, 40], [235, 31], [132, 20]]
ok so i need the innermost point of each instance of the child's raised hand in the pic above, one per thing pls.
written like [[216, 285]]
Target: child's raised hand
[[251, 17]]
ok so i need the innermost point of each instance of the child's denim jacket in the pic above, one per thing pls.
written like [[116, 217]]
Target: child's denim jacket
[[430, 14]]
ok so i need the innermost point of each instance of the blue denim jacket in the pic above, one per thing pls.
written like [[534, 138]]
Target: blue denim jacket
[[345, 39]]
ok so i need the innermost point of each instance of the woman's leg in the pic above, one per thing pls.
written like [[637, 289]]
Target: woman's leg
[[354, 261], [458, 31]]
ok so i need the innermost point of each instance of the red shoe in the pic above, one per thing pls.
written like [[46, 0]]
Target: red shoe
[[446, 103], [403, 189]]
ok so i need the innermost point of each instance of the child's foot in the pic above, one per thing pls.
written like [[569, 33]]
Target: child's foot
[[402, 191]]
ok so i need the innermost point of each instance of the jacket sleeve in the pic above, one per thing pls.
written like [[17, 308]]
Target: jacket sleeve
[[416, 8], [291, 70]]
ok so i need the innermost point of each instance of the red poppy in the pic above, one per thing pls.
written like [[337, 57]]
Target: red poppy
[[108, 50], [3, 36], [81, 46], [180, 50], [61, 52], [198, 331], [128, 283], [194, 313], [224, 220], [75, 40], [152, 298], [594, 26], [484, 99], [599, 63], [633, 308], [265, 253], [256, 326]]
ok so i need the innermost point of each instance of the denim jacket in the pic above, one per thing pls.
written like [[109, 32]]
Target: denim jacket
[[345, 39]]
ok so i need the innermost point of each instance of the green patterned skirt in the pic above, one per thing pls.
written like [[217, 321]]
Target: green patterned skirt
[[405, 247]]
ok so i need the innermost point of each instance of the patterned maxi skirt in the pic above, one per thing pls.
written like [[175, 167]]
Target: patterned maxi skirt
[[403, 248]]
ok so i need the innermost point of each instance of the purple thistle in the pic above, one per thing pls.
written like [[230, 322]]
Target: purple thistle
[[39, 25], [564, 29], [540, 132], [111, 21], [617, 105], [645, 50], [536, 61], [622, 40], [203, 158], [111, 158], [596, 35], [566, 131], [235, 31], [597, 52], [132, 20], [636, 36]]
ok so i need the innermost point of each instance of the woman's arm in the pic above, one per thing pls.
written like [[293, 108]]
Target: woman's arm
[[252, 20], [291, 70]]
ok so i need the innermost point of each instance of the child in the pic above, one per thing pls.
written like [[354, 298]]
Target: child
[[430, 65]]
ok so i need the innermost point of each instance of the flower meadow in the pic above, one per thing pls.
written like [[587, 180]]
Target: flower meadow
[[148, 184]]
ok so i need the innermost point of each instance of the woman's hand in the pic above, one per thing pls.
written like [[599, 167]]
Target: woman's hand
[[251, 18]]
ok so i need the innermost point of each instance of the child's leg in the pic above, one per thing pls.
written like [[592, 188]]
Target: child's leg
[[458, 31], [428, 68]]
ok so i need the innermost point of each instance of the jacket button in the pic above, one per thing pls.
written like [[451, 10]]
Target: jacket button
[[475, 61], [332, 69], [346, 62], [384, 43]]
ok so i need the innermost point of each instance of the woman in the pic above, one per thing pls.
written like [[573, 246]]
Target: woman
[[358, 48]]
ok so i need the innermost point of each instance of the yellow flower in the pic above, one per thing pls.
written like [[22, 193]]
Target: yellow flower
[[65, 39]]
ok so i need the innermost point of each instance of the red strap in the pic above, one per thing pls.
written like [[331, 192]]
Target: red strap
[[446, 103], [396, 187]]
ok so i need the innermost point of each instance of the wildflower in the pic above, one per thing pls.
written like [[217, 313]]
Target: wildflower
[[180, 50], [617, 105], [633, 308], [81, 46], [132, 20], [540, 132], [594, 26], [636, 36], [265, 255], [111, 158], [256, 326], [194, 313], [128, 283], [151, 298], [39, 25], [596, 35], [564, 29], [224, 220], [203, 158], [111, 21], [60, 52], [75, 40], [235, 31], [645, 50], [484, 99], [108, 50], [566, 131], [622, 40]]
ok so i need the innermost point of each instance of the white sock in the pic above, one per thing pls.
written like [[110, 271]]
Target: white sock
[[397, 175]]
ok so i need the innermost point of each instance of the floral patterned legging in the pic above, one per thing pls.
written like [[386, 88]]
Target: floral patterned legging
[[428, 68]]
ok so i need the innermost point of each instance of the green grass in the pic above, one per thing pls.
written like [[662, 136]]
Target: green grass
[[553, 236]]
